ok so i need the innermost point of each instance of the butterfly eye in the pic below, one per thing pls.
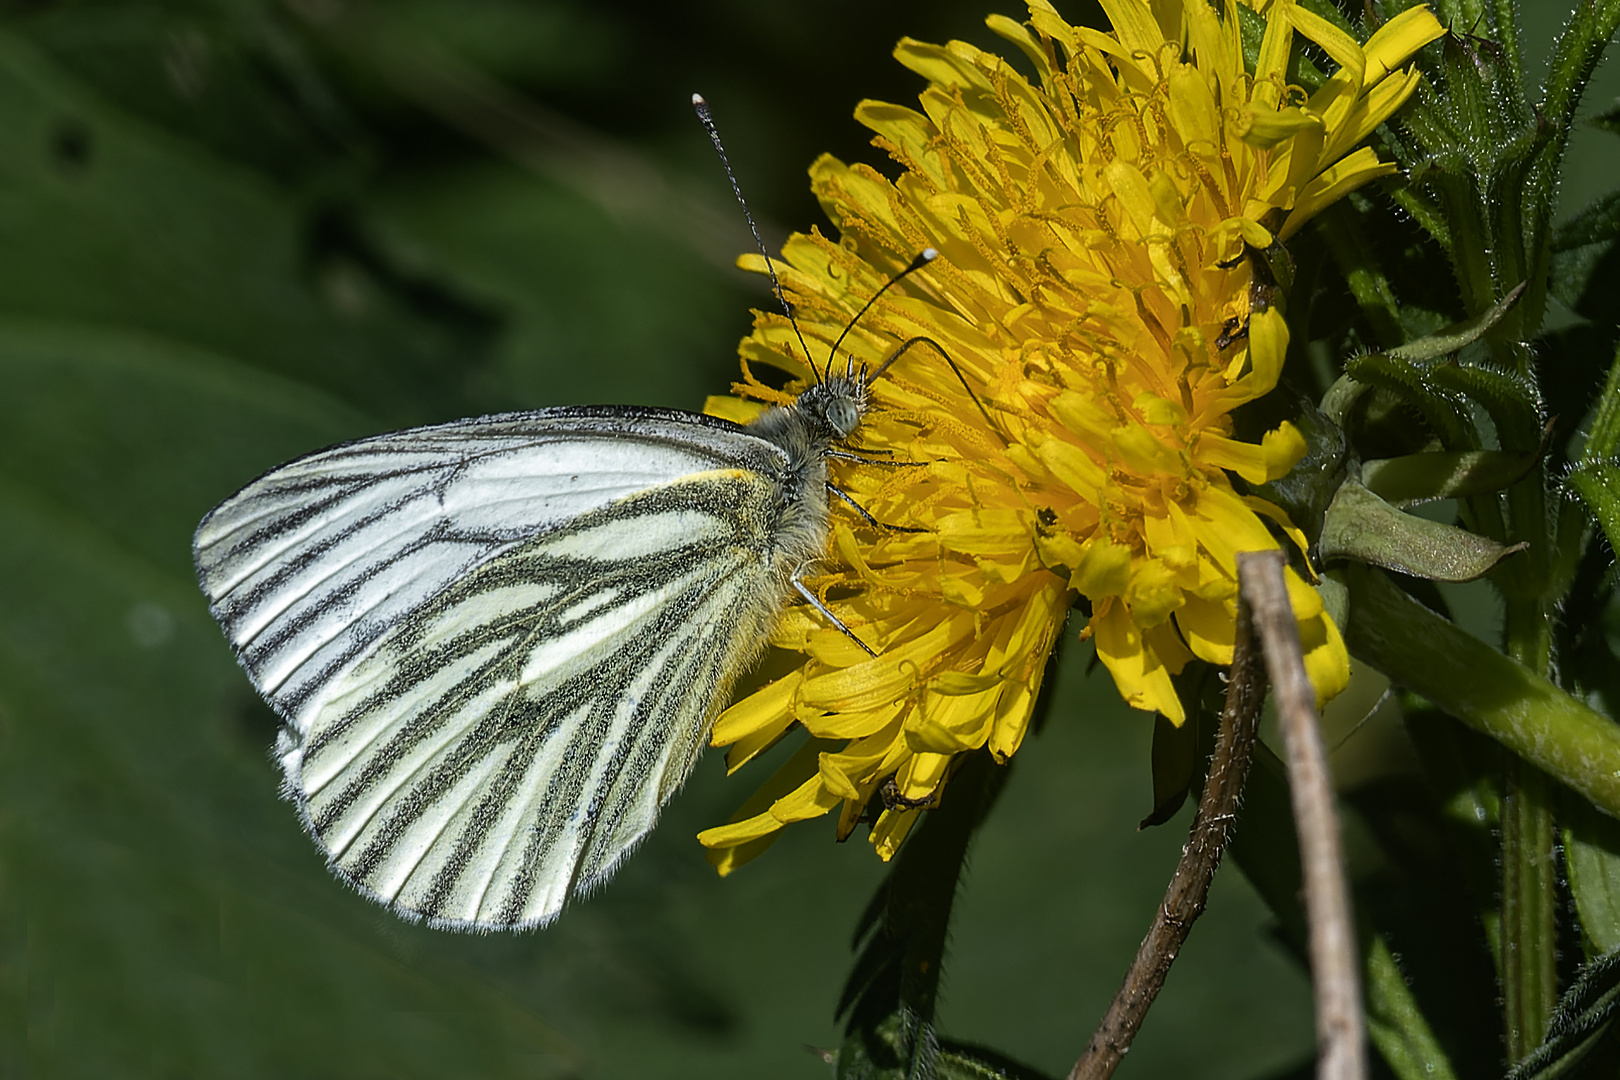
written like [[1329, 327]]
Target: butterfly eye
[[843, 416]]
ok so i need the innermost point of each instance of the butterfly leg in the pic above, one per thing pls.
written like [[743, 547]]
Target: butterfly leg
[[861, 510], [815, 602], [845, 455]]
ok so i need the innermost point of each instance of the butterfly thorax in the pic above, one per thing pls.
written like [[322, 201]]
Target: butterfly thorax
[[822, 417]]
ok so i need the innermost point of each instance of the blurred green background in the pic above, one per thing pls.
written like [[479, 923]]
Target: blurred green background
[[234, 231]]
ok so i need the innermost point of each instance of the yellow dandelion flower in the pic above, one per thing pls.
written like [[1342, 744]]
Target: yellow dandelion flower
[[1093, 289]]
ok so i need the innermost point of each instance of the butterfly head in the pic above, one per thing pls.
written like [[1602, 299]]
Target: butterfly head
[[836, 404]]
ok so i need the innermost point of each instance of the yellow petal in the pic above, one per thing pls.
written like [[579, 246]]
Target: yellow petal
[[879, 680], [1398, 39], [1334, 184], [1268, 345], [1343, 48], [1164, 641], [1012, 717], [1245, 459], [853, 725], [1267, 509], [1193, 111], [1091, 226], [1371, 110], [1020, 36], [1104, 569], [949, 725], [1263, 128], [1284, 447], [890, 830], [1154, 593], [1209, 627], [1271, 66], [1135, 195], [1133, 23], [739, 832], [761, 709], [920, 776], [734, 409], [1073, 466], [1305, 601], [985, 531], [753, 828], [1327, 662], [1142, 680], [1229, 527], [810, 799]]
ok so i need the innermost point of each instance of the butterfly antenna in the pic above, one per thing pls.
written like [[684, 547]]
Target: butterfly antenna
[[923, 339], [706, 118], [926, 256]]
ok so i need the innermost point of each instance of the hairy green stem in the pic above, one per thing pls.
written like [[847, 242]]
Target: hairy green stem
[[1529, 905], [1488, 691]]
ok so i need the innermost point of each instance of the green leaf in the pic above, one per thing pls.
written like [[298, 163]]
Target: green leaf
[[1583, 260], [1598, 222], [1603, 439], [1592, 855], [1175, 766], [1510, 397], [1419, 478], [149, 234], [1362, 527], [1598, 485], [142, 844], [1445, 412], [1528, 907], [1455, 338], [238, 79], [1596, 476], [1576, 52], [1581, 1039], [78, 396], [1481, 148], [1443, 389], [1396, 1025], [174, 321], [866, 1057]]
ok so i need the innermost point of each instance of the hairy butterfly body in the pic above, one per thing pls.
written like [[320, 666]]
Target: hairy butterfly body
[[498, 645]]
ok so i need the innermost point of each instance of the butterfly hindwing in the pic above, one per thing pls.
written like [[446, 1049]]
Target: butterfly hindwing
[[498, 644]]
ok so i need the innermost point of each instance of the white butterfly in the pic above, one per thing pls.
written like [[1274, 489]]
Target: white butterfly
[[499, 644]]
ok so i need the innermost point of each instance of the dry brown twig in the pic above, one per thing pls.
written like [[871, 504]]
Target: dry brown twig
[[1341, 1031], [1189, 887], [1263, 612]]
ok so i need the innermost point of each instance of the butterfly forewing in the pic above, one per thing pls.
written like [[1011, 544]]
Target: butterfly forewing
[[498, 644]]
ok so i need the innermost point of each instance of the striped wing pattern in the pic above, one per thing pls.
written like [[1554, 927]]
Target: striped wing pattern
[[498, 644]]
